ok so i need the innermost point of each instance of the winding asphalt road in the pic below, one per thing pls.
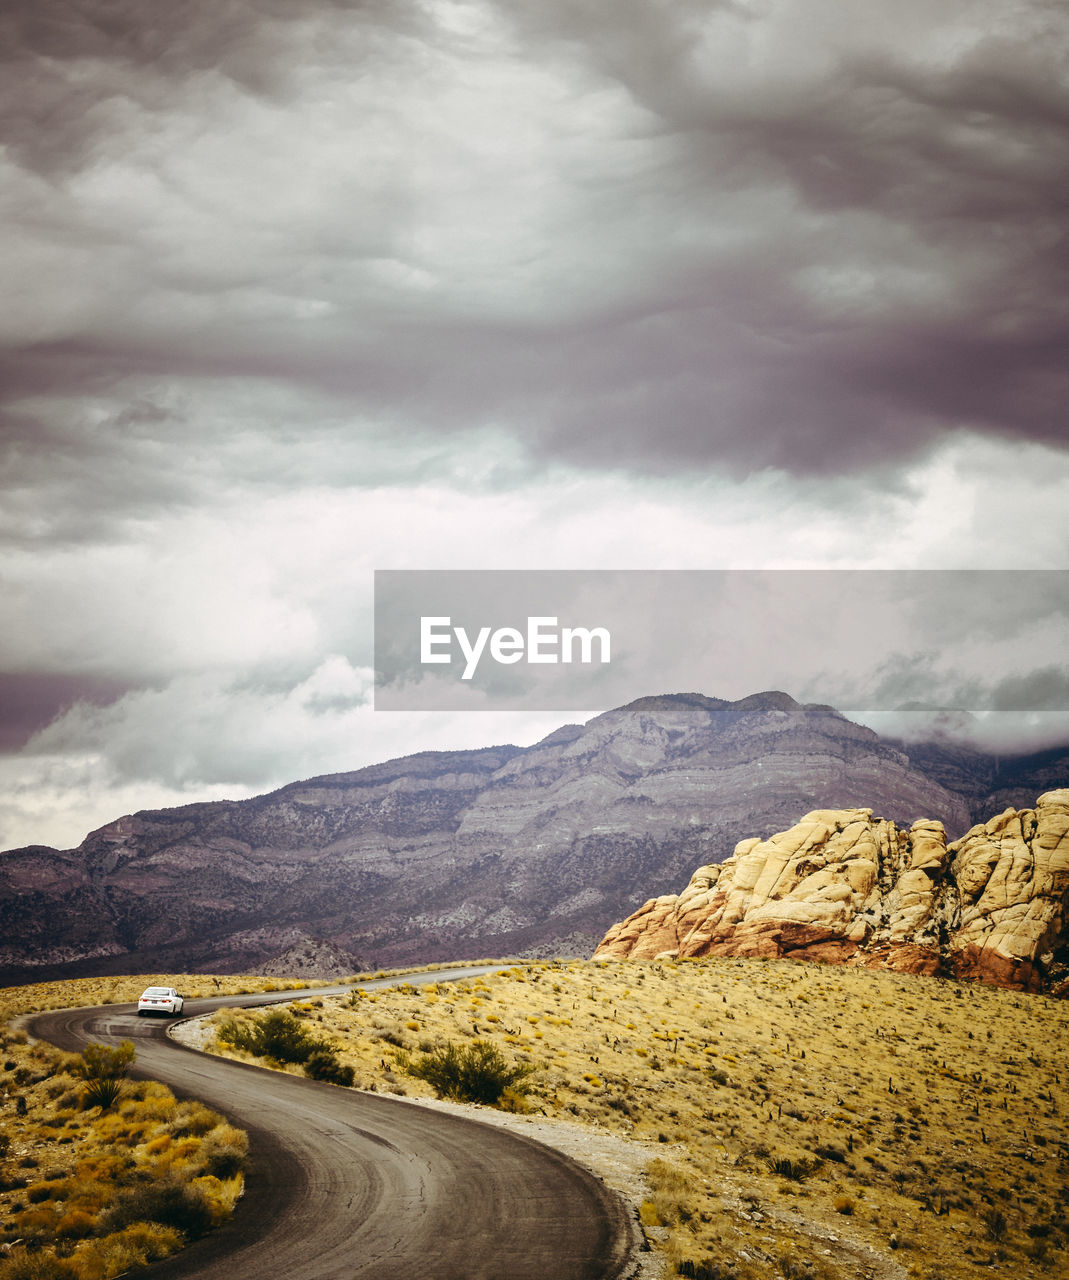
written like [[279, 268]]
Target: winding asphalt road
[[343, 1184]]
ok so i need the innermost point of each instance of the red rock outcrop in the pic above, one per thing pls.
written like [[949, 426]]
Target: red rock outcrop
[[844, 887]]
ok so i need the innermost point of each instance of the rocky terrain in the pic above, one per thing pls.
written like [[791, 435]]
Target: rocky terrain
[[843, 886], [447, 855]]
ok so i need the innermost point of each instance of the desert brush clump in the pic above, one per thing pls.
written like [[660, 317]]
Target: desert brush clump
[[792, 1112], [103, 1068], [475, 1072], [279, 1036], [92, 1186]]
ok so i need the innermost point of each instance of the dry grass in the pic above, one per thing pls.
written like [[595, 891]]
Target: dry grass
[[796, 1113], [89, 1191]]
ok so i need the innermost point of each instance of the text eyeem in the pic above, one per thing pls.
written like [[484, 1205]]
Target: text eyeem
[[543, 642]]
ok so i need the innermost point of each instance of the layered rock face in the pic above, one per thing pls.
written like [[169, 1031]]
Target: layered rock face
[[845, 887]]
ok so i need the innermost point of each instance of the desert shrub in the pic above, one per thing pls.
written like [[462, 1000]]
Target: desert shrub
[[279, 1035], [75, 1224], [704, 1270], [104, 1062], [103, 1068], [102, 1093], [224, 1150], [171, 1203], [829, 1152], [151, 1240], [123, 1250], [195, 1120], [30, 1075], [239, 1035], [648, 1215], [514, 1101], [995, 1222], [35, 1225], [479, 1072], [324, 1065], [1037, 1250], [795, 1170], [843, 1205], [22, 1264]]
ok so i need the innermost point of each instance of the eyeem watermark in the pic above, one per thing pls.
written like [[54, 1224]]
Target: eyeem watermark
[[542, 641], [887, 641]]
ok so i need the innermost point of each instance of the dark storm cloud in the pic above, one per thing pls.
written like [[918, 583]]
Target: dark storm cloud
[[75, 68], [30, 701], [931, 184], [1043, 690], [770, 247], [71, 479]]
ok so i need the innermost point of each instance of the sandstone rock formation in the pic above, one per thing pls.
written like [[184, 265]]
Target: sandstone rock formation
[[845, 887]]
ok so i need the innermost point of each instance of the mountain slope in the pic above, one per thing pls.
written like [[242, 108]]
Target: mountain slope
[[453, 854]]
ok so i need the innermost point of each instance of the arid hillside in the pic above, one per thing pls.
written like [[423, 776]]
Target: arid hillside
[[796, 1120]]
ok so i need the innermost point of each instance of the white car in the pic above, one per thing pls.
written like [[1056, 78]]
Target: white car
[[160, 1000]]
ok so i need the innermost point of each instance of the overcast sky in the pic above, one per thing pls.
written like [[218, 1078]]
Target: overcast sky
[[298, 289]]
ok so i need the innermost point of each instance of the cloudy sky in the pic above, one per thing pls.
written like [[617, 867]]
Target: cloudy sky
[[295, 290]]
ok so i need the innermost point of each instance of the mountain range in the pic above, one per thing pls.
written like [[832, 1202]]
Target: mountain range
[[461, 854]]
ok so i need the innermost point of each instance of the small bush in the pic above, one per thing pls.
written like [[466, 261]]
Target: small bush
[[795, 1170], [103, 1068], [995, 1222], [21, 1264], [514, 1101], [648, 1215], [76, 1224], [195, 1120], [324, 1065], [828, 1152], [224, 1150], [104, 1062], [102, 1093], [702, 1270], [843, 1205], [279, 1035], [170, 1203], [479, 1072]]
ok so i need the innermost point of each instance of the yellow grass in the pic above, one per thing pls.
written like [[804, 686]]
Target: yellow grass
[[74, 1177], [926, 1119]]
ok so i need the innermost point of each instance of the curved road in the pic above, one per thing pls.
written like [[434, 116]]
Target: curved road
[[343, 1184]]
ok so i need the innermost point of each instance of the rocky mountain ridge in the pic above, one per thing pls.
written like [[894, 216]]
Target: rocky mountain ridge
[[447, 855], [846, 887]]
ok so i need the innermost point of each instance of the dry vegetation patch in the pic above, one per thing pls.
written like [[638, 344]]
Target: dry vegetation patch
[[100, 1174], [806, 1121]]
